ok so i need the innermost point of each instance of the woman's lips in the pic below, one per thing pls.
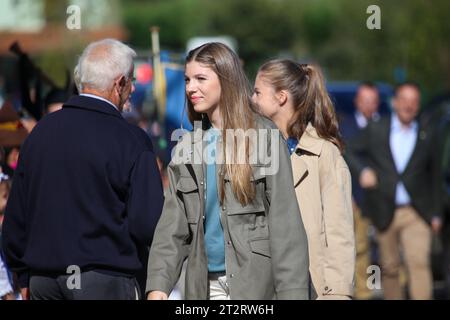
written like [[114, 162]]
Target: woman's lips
[[194, 100]]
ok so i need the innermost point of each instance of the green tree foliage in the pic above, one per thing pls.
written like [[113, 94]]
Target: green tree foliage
[[413, 36]]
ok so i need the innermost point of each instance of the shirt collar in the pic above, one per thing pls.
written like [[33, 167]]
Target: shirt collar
[[291, 144], [99, 98], [396, 125], [310, 141], [362, 121]]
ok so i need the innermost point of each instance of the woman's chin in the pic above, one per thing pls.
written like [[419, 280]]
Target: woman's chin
[[200, 109]]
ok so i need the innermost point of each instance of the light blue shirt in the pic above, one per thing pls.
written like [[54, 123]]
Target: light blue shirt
[[402, 141], [214, 238], [362, 121], [291, 144]]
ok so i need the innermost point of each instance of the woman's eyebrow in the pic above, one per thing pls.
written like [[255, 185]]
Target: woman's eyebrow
[[196, 75]]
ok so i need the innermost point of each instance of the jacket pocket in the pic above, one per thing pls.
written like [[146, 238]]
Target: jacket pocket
[[236, 208], [260, 246], [190, 195], [258, 175], [186, 185]]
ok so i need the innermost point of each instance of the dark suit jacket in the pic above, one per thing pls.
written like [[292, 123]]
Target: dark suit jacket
[[421, 176], [349, 130], [86, 192]]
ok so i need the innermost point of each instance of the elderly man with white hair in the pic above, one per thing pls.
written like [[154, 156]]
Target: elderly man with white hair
[[87, 193]]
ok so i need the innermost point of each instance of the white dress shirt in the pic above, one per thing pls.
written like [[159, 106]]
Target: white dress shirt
[[402, 141]]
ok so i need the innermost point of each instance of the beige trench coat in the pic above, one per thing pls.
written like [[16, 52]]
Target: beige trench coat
[[323, 187]]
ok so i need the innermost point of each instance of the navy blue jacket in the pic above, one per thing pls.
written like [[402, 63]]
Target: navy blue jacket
[[350, 130], [86, 192]]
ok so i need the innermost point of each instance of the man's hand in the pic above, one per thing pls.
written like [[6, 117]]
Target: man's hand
[[9, 296], [25, 293], [28, 124], [368, 178], [157, 295], [436, 224]]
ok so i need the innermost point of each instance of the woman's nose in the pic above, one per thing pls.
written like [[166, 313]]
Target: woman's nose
[[190, 87]]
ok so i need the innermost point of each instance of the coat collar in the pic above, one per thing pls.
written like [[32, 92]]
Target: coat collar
[[92, 104], [310, 141], [196, 151], [299, 169]]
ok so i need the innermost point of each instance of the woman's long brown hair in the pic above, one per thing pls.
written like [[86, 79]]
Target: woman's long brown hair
[[306, 85], [236, 112]]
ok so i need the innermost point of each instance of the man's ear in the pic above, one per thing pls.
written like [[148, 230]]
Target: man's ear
[[122, 81], [282, 97]]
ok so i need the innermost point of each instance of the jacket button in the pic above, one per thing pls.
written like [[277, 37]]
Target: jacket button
[[231, 275], [229, 243], [201, 182], [224, 208], [326, 288]]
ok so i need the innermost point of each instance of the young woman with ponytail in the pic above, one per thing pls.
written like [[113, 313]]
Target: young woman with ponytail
[[294, 96]]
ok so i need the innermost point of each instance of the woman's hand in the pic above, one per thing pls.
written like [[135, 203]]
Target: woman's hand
[[157, 295]]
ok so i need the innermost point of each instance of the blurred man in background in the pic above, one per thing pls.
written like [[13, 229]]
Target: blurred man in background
[[366, 102], [399, 169]]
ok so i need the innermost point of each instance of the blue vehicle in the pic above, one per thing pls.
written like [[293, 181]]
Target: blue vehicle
[[343, 93]]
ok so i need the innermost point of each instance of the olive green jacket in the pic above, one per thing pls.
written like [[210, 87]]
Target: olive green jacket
[[266, 249]]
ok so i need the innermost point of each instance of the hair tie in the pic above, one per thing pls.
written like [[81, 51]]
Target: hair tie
[[304, 68]]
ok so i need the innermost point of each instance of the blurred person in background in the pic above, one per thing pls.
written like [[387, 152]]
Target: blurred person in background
[[445, 236], [398, 167], [366, 102], [8, 289], [54, 100]]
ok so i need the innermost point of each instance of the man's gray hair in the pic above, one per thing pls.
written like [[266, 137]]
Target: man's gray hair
[[101, 63]]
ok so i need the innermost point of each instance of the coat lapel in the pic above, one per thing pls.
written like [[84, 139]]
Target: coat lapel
[[309, 143], [387, 134], [197, 155], [421, 137], [299, 168]]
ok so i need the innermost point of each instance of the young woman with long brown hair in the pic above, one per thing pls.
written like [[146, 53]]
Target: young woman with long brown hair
[[294, 96], [237, 224]]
